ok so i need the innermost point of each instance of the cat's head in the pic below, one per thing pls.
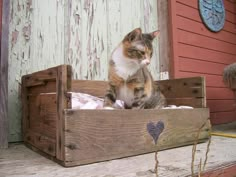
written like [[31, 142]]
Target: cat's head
[[138, 46]]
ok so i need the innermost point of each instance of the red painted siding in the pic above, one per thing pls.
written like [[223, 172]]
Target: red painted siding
[[196, 51]]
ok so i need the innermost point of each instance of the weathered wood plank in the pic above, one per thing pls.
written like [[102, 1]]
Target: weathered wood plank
[[163, 25], [5, 6], [95, 28], [63, 84], [48, 35], [184, 87], [114, 15], [44, 87], [211, 80], [185, 91], [37, 120], [97, 135], [36, 43], [173, 163], [41, 77], [19, 61], [25, 108], [193, 102], [48, 110], [95, 88], [150, 23], [43, 143], [74, 37], [87, 39]]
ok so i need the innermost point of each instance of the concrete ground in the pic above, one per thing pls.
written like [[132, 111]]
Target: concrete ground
[[19, 161]]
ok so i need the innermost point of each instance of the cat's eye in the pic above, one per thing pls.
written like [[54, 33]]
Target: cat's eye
[[142, 52]]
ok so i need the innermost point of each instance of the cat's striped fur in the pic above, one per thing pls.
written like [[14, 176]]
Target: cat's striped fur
[[129, 78]]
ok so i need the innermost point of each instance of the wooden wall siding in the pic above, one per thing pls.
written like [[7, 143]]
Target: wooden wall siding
[[4, 14], [95, 28], [81, 33], [197, 51], [164, 40], [36, 42]]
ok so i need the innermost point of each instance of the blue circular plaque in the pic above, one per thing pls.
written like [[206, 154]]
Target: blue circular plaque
[[213, 14]]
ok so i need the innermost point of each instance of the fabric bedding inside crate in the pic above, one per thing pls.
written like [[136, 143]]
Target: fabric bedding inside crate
[[86, 101]]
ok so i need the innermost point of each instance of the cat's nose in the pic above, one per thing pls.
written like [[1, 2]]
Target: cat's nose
[[147, 62]]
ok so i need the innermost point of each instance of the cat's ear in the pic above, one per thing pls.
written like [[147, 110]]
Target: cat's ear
[[133, 35], [155, 34]]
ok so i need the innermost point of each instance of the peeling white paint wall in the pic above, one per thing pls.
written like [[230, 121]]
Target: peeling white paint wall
[[82, 33], [47, 34], [19, 55], [36, 42], [97, 26]]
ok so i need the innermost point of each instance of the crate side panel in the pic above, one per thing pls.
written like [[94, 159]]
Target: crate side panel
[[45, 87], [182, 88], [42, 115], [193, 102], [41, 142], [185, 91], [97, 135]]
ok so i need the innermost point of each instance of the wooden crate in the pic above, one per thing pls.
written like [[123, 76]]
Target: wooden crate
[[75, 137]]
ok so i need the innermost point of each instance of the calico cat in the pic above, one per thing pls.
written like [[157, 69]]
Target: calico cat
[[128, 75]]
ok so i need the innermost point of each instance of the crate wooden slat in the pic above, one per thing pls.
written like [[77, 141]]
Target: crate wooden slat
[[40, 77], [95, 88], [74, 137], [42, 142], [92, 135], [46, 87], [184, 91], [63, 85], [42, 114]]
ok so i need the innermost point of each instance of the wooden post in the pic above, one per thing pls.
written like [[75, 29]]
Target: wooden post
[[5, 4], [63, 82], [163, 22]]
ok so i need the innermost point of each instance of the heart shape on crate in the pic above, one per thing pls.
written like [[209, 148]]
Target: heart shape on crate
[[155, 130]]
